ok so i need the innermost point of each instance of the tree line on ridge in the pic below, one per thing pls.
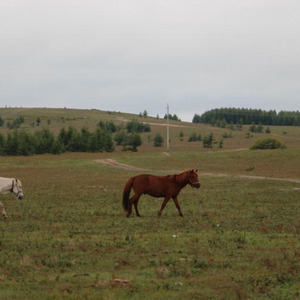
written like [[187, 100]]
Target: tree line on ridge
[[248, 116]]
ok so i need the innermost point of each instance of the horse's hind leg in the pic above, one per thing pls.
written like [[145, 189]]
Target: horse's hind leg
[[133, 200], [135, 203], [2, 210]]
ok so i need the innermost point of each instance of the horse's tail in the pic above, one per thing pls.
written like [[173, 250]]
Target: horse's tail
[[126, 193]]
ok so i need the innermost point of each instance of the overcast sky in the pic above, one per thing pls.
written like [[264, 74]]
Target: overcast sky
[[136, 55]]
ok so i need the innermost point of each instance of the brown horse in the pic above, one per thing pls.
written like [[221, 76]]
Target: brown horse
[[157, 186]]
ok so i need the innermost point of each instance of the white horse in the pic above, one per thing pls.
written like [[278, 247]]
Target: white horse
[[7, 186]]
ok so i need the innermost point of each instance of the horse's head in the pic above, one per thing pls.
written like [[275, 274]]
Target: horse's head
[[193, 178], [17, 188]]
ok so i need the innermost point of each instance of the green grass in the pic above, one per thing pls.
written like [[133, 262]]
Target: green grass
[[69, 237]]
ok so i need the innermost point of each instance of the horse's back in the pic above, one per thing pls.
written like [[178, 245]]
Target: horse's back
[[5, 185], [157, 186], [149, 179], [5, 179]]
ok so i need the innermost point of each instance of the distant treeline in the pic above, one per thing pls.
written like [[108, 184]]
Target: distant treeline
[[172, 117], [248, 116], [103, 139], [20, 142]]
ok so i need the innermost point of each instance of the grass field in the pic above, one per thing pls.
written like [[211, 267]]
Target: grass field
[[69, 237]]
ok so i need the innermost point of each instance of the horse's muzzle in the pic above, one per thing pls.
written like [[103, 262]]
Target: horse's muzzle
[[20, 196], [196, 185]]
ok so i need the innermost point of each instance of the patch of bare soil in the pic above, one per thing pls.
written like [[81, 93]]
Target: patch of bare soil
[[113, 163]]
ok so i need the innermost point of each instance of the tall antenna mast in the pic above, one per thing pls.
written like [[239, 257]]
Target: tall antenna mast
[[168, 133]]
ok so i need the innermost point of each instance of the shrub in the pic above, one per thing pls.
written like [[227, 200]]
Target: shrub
[[268, 143], [158, 140], [221, 143], [227, 135], [208, 141], [131, 142], [16, 123], [181, 135], [120, 137], [109, 126], [2, 143], [253, 128], [268, 130], [194, 137], [134, 126], [174, 117]]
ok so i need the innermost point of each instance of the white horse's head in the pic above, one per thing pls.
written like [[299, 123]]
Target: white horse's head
[[17, 188]]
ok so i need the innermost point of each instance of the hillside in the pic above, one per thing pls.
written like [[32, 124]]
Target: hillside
[[180, 132]]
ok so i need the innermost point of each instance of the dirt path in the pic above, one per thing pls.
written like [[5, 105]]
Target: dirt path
[[251, 177], [113, 163], [152, 123], [230, 150]]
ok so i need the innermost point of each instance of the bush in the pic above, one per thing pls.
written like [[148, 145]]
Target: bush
[[120, 137], [44, 140], [16, 123], [269, 143], [268, 130], [208, 141], [181, 135], [174, 117], [158, 140], [227, 135], [258, 129], [194, 137], [132, 141], [2, 143], [109, 126], [134, 127]]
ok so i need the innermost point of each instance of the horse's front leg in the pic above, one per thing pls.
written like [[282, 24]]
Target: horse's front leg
[[178, 206], [2, 210], [163, 205]]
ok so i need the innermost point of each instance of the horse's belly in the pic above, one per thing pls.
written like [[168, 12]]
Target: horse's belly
[[155, 194]]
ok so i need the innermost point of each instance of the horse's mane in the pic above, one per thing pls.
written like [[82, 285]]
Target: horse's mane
[[171, 177], [175, 176]]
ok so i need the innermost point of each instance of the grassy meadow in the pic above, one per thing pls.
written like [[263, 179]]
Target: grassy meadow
[[69, 237]]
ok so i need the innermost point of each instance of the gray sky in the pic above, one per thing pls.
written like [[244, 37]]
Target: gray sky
[[136, 55]]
